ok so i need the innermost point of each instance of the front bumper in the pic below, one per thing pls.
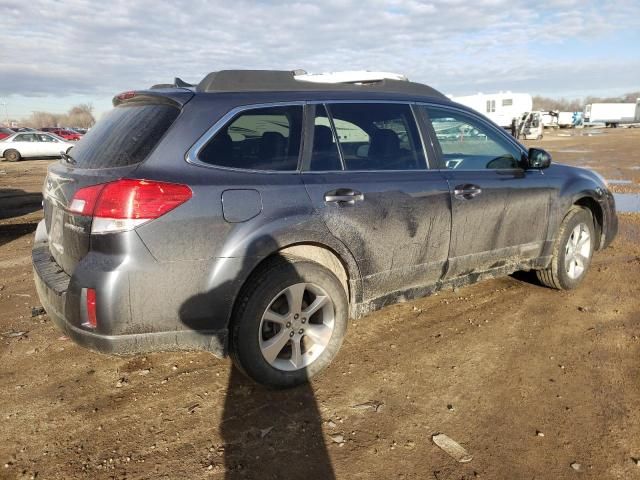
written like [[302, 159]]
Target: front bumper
[[609, 219]]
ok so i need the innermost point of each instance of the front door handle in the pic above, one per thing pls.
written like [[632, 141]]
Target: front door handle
[[466, 191], [343, 195]]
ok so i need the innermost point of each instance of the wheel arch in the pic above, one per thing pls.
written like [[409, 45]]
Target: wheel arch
[[597, 213], [322, 255], [331, 256]]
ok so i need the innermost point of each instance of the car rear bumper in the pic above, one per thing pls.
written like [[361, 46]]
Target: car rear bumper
[[61, 295], [126, 344]]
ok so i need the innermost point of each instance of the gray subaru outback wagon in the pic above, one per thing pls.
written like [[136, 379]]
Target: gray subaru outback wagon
[[253, 214]]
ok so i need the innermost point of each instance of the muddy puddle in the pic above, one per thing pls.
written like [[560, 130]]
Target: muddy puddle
[[627, 202], [581, 133], [614, 181]]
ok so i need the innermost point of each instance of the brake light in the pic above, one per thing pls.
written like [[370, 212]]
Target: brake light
[[92, 319], [126, 95], [127, 203]]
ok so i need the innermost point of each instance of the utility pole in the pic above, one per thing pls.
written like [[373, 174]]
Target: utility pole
[[6, 112]]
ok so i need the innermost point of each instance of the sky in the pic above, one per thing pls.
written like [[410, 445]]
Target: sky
[[58, 53]]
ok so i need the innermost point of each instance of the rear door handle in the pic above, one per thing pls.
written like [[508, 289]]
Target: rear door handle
[[343, 195], [466, 191]]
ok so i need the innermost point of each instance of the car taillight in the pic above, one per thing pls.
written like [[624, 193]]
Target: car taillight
[[84, 201], [125, 204]]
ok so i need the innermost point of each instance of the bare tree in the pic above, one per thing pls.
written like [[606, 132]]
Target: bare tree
[[78, 116], [42, 119], [81, 116], [561, 104], [564, 105], [631, 97]]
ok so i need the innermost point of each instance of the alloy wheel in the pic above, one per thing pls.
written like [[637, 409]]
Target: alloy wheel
[[296, 326], [577, 251]]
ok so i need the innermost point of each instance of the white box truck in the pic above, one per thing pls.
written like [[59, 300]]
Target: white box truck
[[612, 114], [568, 119]]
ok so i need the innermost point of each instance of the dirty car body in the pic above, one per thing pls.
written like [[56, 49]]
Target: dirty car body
[[371, 182]]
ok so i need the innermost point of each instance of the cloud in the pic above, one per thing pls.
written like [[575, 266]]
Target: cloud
[[78, 47]]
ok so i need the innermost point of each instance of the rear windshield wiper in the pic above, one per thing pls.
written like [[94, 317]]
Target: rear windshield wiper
[[68, 158]]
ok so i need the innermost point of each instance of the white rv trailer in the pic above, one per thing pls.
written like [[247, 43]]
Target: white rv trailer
[[612, 114], [502, 108]]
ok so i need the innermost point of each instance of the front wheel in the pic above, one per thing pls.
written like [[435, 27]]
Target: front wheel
[[289, 323], [572, 251], [12, 155]]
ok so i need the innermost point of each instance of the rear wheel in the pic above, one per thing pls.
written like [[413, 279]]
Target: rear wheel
[[12, 155], [289, 323], [572, 251]]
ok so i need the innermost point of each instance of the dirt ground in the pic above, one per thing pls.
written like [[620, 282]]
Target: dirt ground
[[529, 380]]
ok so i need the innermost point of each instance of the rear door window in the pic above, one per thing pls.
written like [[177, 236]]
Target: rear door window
[[25, 137], [258, 139], [124, 136], [377, 136]]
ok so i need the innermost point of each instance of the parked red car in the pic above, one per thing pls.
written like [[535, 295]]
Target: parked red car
[[5, 132], [64, 133]]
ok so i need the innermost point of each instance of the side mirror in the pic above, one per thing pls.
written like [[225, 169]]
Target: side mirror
[[538, 158]]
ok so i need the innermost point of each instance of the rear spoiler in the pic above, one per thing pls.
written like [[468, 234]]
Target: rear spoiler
[[176, 97]]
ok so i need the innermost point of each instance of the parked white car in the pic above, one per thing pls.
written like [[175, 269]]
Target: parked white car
[[33, 144]]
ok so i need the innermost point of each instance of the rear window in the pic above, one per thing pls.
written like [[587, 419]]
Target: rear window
[[124, 136]]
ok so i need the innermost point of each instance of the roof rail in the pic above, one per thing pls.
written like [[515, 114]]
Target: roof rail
[[285, 81], [351, 76]]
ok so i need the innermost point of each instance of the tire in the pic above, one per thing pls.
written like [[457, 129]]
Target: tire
[[12, 155], [266, 297], [570, 259]]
